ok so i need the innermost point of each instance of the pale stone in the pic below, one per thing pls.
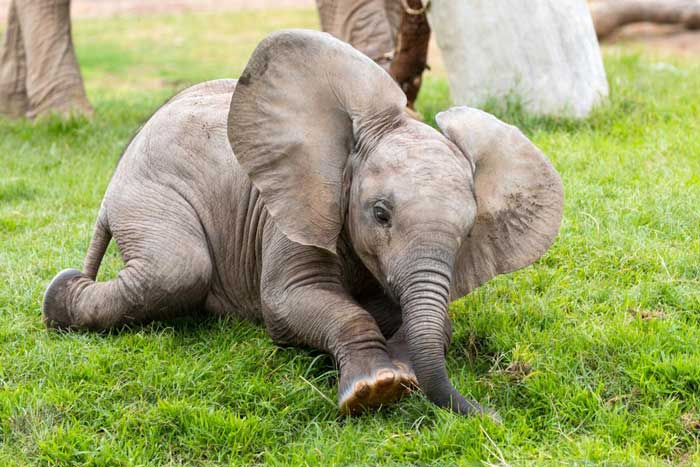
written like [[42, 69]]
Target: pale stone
[[543, 52]]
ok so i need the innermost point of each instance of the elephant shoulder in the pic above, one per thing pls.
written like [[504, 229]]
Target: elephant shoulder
[[203, 103], [189, 128], [205, 89]]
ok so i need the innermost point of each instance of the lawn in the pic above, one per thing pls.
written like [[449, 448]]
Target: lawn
[[593, 354]]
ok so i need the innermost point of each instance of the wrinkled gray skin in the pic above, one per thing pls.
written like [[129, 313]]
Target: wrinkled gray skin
[[371, 26], [340, 223], [39, 73]]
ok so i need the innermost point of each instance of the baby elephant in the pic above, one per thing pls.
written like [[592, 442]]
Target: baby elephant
[[302, 197]]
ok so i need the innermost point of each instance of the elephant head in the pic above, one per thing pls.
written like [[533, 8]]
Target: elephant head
[[321, 131]]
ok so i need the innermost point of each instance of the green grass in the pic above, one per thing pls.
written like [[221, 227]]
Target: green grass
[[608, 322]]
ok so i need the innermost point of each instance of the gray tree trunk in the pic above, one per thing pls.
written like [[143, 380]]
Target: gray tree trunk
[[544, 53], [39, 72]]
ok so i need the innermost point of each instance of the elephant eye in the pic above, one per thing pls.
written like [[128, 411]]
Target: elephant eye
[[382, 215]]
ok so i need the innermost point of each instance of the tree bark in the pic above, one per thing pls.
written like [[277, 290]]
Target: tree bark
[[39, 72], [609, 16]]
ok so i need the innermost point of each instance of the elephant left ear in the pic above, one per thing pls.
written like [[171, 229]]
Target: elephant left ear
[[519, 198]]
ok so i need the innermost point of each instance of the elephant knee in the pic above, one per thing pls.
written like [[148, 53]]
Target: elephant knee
[[165, 282], [188, 278]]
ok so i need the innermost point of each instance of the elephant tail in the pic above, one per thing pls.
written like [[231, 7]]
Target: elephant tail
[[98, 245]]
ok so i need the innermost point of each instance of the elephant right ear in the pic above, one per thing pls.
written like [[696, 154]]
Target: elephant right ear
[[519, 198], [302, 104]]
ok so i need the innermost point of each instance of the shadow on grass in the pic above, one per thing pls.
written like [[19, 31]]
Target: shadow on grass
[[202, 326], [196, 323]]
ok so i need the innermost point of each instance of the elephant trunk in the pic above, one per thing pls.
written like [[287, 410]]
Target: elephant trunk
[[424, 301]]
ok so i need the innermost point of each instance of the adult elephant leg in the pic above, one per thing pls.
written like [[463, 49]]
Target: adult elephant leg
[[54, 82], [367, 25], [167, 273], [394, 36], [13, 69], [411, 53]]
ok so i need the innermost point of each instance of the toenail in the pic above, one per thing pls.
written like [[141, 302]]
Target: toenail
[[385, 377], [361, 389]]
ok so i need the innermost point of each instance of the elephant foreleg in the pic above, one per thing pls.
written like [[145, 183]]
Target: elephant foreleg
[[387, 314], [397, 347], [304, 304]]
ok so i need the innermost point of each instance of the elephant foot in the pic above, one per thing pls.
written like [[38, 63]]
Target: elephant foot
[[13, 105], [55, 306], [363, 390]]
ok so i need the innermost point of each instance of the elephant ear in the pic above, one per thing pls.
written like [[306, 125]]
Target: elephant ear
[[302, 104], [519, 198]]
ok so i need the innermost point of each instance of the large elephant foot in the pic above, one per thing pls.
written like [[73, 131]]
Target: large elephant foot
[[367, 383], [56, 307], [13, 105]]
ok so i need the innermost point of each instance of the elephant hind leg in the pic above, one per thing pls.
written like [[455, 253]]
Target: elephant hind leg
[[56, 312], [157, 283]]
